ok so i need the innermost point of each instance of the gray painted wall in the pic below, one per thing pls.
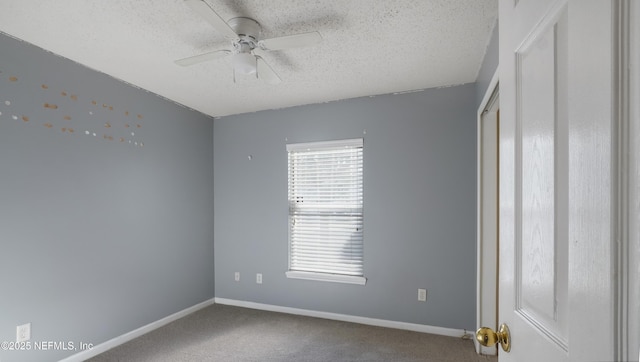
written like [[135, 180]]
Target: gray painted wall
[[420, 205], [98, 236], [489, 66]]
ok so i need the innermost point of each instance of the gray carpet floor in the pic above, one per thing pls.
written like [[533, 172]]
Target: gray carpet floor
[[227, 333]]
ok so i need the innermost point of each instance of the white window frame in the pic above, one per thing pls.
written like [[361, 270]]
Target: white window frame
[[315, 275]]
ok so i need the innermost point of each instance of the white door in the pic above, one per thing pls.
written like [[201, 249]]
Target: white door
[[556, 179]]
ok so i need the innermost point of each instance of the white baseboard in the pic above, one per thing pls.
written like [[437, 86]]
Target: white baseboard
[[114, 342], [451, 332]]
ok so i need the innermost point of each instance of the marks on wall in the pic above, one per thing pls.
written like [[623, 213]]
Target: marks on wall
[[66, 112]]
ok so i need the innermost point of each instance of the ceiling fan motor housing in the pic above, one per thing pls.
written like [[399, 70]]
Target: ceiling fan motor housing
[[246, 28]]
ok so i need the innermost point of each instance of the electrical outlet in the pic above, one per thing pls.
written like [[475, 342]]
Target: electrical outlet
[[23, 332], [237, 276], [422, 295], [259, 278]]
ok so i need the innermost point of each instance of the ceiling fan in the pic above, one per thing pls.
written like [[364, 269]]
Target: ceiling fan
[[247, 48]]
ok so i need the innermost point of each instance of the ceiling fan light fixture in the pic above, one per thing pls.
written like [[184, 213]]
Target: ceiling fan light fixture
[[244, 63]]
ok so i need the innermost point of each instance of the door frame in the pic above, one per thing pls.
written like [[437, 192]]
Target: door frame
[[487, 270]]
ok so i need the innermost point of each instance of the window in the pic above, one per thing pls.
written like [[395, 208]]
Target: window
[[325, 211]]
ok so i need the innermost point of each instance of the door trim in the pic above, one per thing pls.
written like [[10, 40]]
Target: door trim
[[487, 272], [627, 172]]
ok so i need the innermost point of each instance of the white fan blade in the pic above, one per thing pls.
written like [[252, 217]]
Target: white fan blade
[[202, 58], [203, 9], [265, 72], [291, 41]]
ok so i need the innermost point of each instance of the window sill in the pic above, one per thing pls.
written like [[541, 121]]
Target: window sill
[[335, 278]]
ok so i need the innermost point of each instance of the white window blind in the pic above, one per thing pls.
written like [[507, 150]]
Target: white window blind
[[325, 207]]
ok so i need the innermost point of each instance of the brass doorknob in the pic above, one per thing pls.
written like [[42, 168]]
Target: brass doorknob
[[487, 337]]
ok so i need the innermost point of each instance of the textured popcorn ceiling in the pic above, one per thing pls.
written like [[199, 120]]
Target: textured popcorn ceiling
[[369, 47]]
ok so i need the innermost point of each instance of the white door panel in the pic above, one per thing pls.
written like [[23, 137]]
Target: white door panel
[[541, 174]]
